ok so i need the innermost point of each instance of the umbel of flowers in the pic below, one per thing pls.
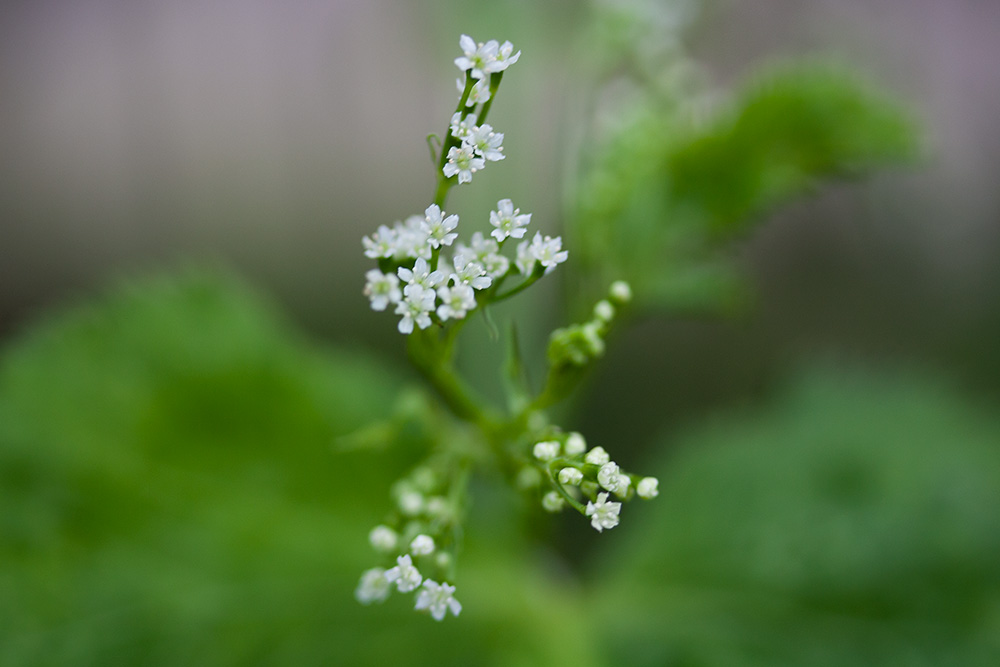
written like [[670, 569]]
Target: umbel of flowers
[[434, 276]]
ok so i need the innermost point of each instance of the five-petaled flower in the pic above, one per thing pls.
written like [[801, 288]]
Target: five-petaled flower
[[438, 599], [603, 515]]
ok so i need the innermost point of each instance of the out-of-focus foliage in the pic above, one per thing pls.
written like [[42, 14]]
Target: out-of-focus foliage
[[669, 185], [171, 495], [855, 522]]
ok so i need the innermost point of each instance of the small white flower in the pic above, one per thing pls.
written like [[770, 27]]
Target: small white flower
[[438, 599], [422, 275], [462, 161], [479, 93], [383, 538], [575, 444], [607, 476], [604, 311], [504, 59], [621, 291], [406, 576], [597, 456], [525, 260], [624, 481], [422, 545], [382, 289], [485, 251], [410, 502], [411, 239], [553, 502], [546, 451], [479, 58], [461, 128], [508, 221], [470, 272], [381, 244], [648, 488], [548, 251], [455, 301], [439, 228], [416, 306], [486, 143], [373, 587], [603, 515], [570, 476]]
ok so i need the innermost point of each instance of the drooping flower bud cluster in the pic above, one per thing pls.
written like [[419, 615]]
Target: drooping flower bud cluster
[[415, 541], [576, 474]]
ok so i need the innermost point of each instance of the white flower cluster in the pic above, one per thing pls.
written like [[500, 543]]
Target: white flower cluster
[[422, 507], [481, 60], [591, 474], [421, 292]]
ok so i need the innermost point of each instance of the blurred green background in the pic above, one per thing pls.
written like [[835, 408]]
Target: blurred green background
[[185, 188]]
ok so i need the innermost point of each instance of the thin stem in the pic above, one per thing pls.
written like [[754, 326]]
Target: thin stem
[[532, 279], [494, 85]]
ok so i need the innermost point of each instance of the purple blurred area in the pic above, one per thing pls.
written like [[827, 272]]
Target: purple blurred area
[[137, 134]]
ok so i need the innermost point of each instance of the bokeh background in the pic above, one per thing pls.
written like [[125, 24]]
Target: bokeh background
[[184, 189]]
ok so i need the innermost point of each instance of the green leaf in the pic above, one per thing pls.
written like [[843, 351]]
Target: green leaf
[[855, 522]]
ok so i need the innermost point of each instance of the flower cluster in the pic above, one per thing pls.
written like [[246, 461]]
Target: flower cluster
[[575, 473], [423, 293], [421, 529]]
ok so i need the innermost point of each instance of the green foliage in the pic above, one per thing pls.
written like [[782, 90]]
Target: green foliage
[[856, 522], [663, 193], [172, 496]]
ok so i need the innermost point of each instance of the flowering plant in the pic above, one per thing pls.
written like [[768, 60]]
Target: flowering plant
[[435, 283]]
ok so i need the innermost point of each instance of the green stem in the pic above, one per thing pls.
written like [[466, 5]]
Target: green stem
[[532, 279], [494, 85]]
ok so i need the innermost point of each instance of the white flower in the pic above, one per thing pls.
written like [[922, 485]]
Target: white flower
[[480, 58], [607, 476], [438, 599], [597, 456], [479, 93], [485, 251], [461, 128], [553, 502], [648, 488], [487, 143], [470, 272], [603, 515], [416, 306], [373, 587], [383, 538], [604, 311], [410, 502], [508, 221], [621, 291], [455, 301], [525, 260], [406, 576], [575, 444], [570, 476], [504, 59], [411, 239], [382, 289], [462, 161], [422, 275], [439, 228], [548, 251], [546, 451], [422, 545], [624, 481], [381, 244]]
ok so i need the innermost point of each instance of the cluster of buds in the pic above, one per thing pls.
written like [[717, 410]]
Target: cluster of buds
[[421, 529], [576, 473]]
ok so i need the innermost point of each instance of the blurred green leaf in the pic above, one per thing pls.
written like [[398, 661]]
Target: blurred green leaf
[[658, 198], [855, 522], [172, 495]]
